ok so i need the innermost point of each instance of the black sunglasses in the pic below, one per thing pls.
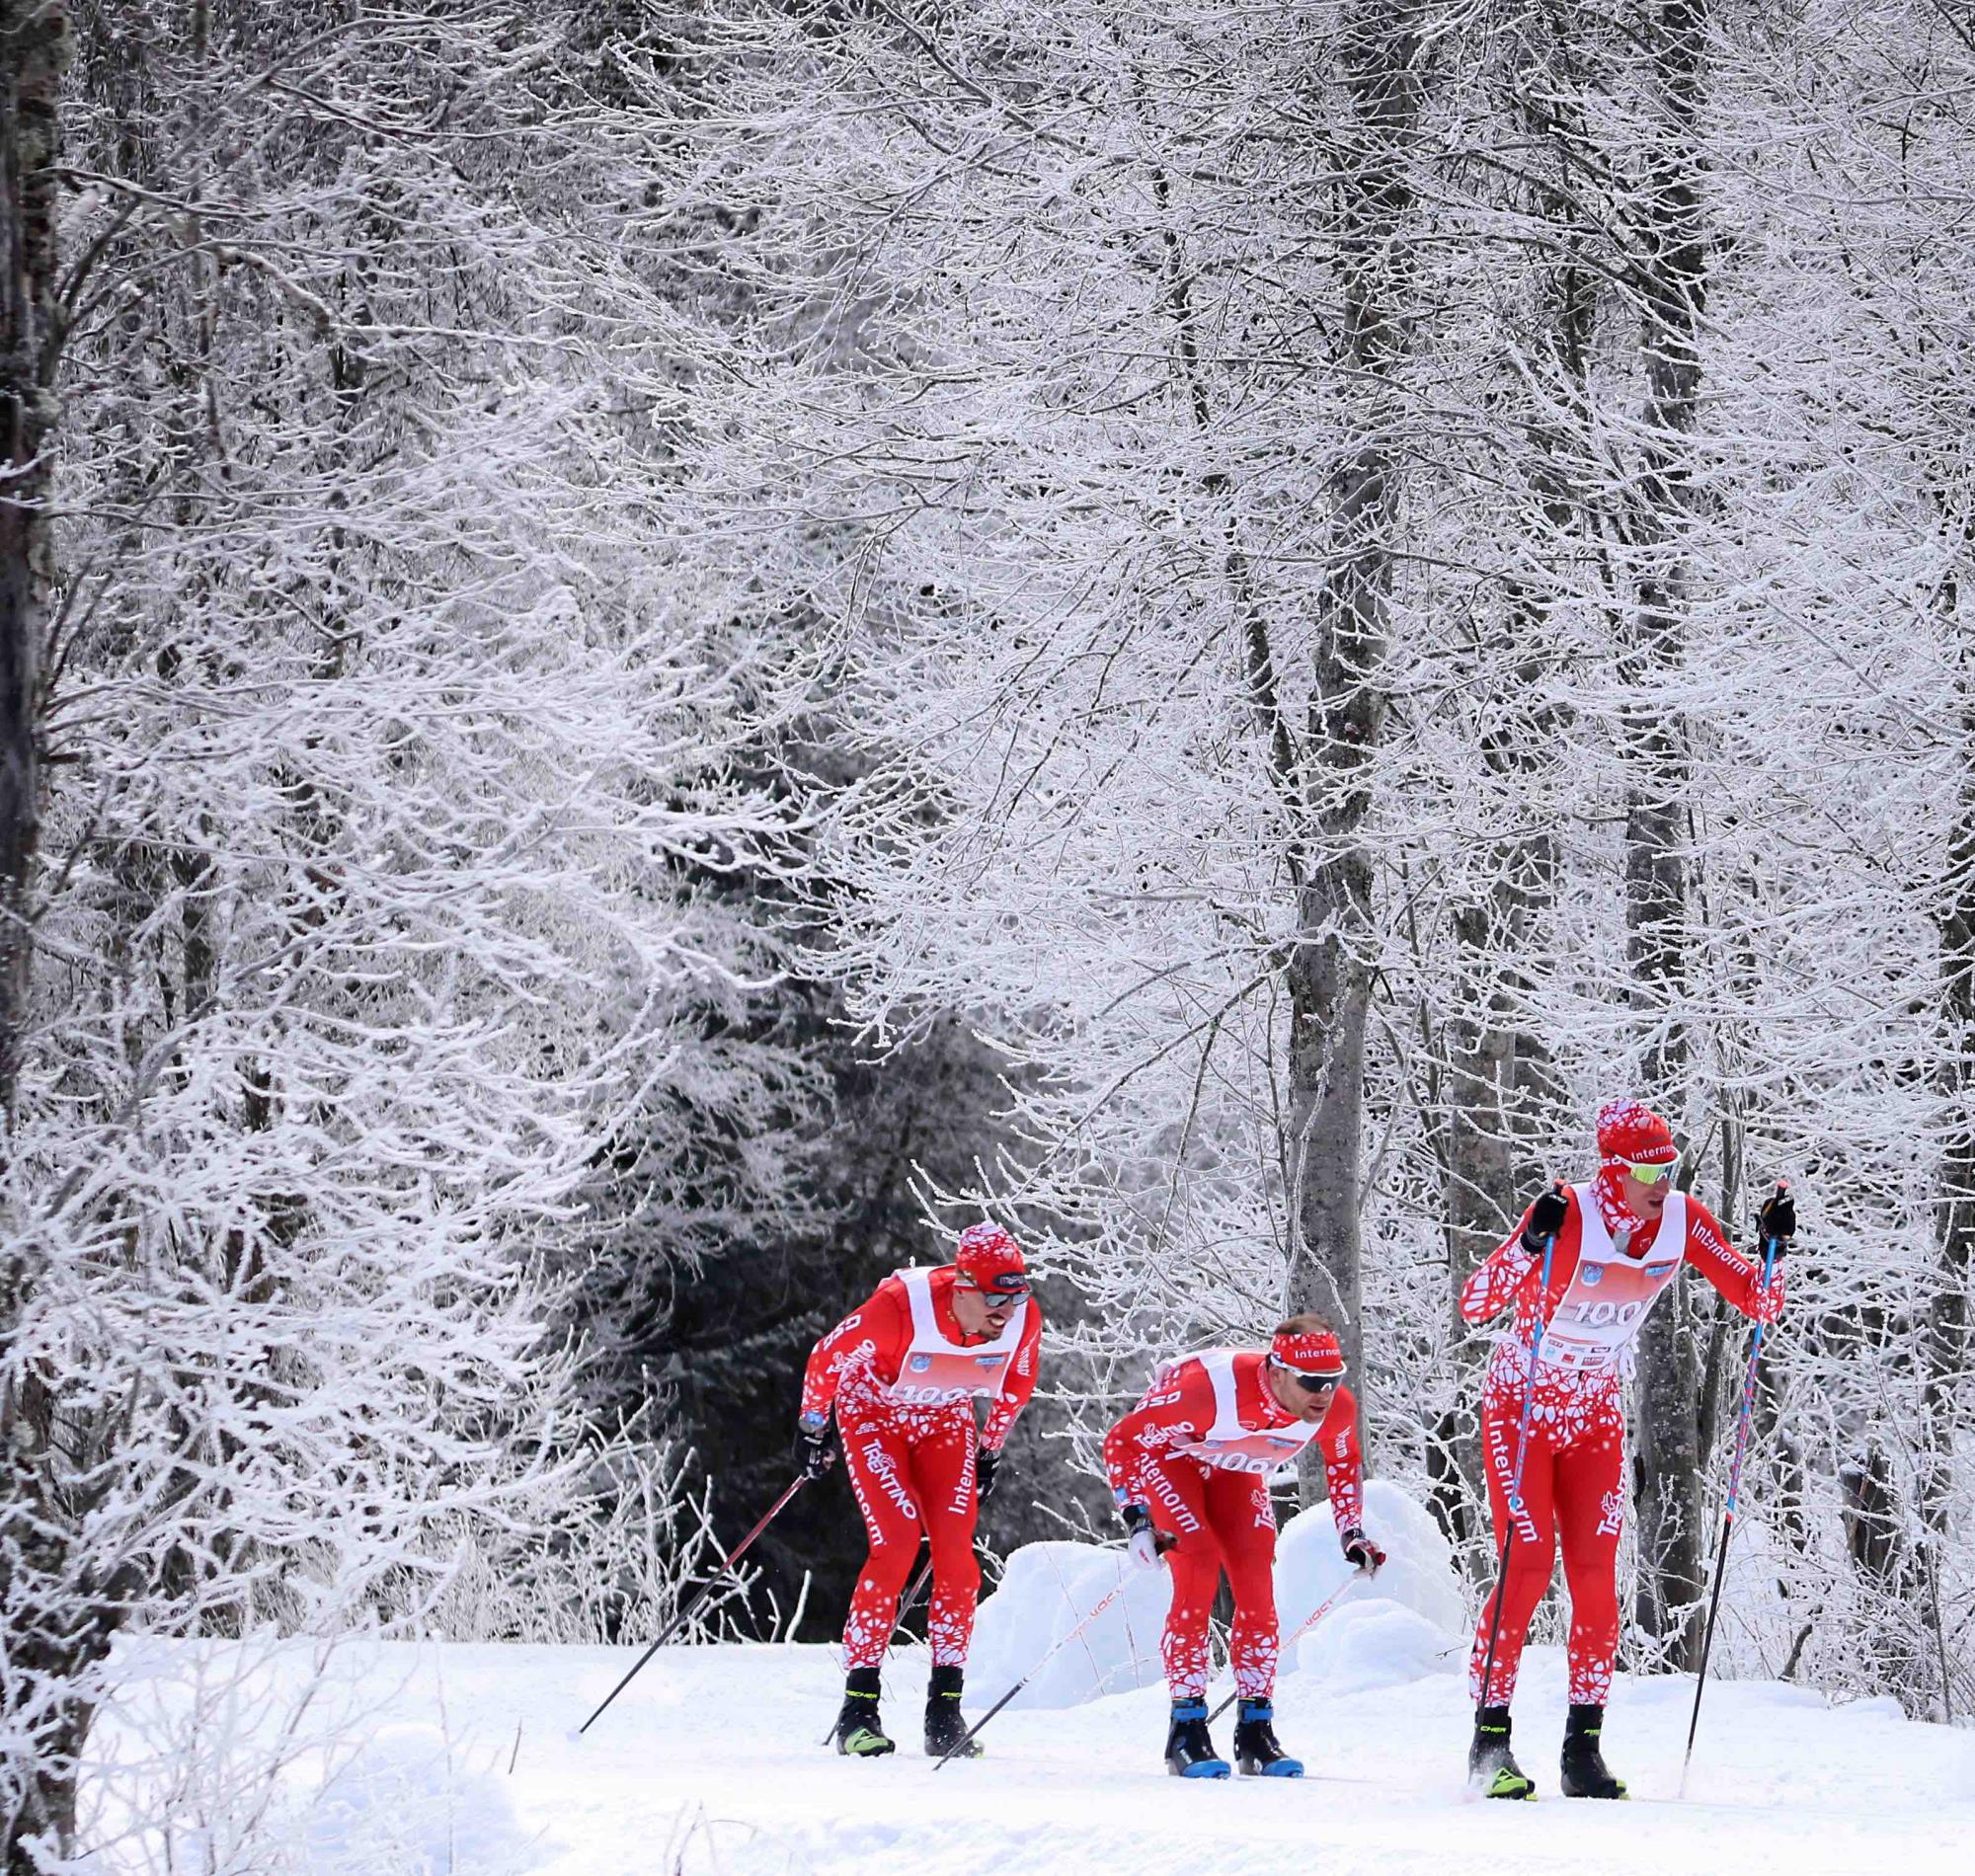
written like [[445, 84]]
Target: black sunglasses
[[1314, 1383]]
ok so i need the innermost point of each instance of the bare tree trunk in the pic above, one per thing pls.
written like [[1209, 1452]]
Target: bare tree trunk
[[1329, 974], [1499, 1072], [1671, 275], [32, 37], [1947, 1343], [51, 1634]]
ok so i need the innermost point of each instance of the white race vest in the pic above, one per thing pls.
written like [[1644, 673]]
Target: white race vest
[[1602, 1312], [936, 1371], [1227, 1444]]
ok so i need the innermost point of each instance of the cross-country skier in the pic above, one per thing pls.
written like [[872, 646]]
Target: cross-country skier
[[1194, 1458], [902, 1372], [1620, 1243]]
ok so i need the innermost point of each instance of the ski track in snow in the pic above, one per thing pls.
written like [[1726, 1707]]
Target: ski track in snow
[[708, 1765]]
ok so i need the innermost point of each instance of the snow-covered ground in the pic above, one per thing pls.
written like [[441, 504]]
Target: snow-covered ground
[[459, 1760], [710, 1763]]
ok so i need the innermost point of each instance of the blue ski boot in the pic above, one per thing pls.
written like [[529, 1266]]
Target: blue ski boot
[[1257, 1751], [1189, 1752]]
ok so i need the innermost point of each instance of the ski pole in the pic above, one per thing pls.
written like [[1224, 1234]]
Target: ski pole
[[1310, 1621], [1769, 1248], [1164, 1542], [699, 1596], [1515, 1495]]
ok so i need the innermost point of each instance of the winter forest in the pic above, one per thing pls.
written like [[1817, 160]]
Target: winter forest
[[654, 652]]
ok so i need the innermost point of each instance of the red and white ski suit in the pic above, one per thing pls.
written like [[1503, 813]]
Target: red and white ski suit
[[1198, 1452], [1601, 1285], [903, 1375]]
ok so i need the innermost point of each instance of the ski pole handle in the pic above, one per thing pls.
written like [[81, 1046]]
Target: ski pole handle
[[685, 1615]]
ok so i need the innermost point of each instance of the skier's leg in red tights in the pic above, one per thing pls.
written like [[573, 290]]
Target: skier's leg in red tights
[[1244, 1523], [944, 1482], [1195, 1566], [877, 1455], [1532, 1556], [1590, 1513]]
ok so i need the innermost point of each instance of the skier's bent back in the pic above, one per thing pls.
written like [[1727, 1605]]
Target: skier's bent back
[[1194, 1458]]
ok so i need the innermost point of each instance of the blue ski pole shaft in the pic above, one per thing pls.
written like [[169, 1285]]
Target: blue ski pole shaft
[[1515, 1495], [1747, 1414]]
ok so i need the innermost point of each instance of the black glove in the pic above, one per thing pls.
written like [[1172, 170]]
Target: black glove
[[816, 1448], [1547, 1218], [1360, 1550], [987, 1463], [1776, 1220]]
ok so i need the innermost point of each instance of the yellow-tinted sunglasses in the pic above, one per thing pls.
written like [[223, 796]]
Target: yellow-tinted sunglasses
[[1652, 1175]]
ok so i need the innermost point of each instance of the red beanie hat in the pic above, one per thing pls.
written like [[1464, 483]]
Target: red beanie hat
[[1313, 1352], [990, 1259], [1631, 1133]]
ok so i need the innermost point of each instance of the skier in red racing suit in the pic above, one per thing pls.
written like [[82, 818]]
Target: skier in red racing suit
[[1620, 1244], [1193, 1458], [902, 1372]]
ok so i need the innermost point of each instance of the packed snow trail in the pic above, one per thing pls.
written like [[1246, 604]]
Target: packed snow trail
[[708, 1765]]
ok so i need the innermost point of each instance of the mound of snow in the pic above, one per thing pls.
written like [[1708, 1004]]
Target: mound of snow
[[404, 1802], [1359, 1646], [1048, 1589], [1418, 1573], [1395, 1628]]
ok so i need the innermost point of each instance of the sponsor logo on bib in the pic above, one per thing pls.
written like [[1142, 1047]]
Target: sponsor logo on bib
[[986, 1360], [920, 1362], [1657, 1271], [1591, 1275]]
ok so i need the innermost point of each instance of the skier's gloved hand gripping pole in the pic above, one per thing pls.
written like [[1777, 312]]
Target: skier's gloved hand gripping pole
[[1547, 1218], [699, 1596], [1778, 1223], [1162, 1542]]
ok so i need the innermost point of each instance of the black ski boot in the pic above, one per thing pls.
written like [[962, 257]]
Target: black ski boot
[[1491, 1766], [859, 1734], [1189, 1752], [1257, 1751], [1585, 1774], [945, 1729]]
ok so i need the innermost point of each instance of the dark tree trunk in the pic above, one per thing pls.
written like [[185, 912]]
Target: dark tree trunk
[[1947, 1343], [32, 39], [1329, 973], [1671, 271], [51, 1630]]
